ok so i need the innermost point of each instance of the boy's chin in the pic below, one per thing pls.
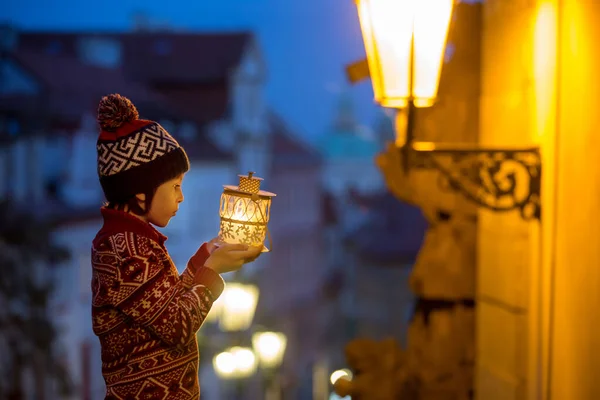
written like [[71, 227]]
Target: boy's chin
[[161, 224]]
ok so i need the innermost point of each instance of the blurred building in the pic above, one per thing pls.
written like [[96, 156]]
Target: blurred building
[[349, 151], [371, 240]]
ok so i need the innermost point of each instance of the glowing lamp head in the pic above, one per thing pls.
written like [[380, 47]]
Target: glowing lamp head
[[235, 363], [405, 42], [238, 306], [270, 347]]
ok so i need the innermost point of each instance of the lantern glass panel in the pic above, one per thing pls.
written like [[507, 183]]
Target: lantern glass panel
[[432, 22], [243, 219]]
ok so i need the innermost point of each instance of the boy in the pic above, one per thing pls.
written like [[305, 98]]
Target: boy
[[145, 314]]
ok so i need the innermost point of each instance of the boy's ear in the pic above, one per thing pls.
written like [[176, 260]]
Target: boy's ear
[[141, 200]]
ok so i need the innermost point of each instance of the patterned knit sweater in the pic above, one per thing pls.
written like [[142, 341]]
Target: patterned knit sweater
[[145, 314]]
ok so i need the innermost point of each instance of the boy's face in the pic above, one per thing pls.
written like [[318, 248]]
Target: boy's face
[[165, 202]]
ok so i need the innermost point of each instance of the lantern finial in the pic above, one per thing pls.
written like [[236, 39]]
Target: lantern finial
[[249, 183]]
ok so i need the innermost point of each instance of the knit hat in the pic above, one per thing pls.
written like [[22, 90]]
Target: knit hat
[[134, 155]]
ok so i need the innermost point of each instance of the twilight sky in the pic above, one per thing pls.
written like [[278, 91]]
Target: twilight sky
[[306, 43]]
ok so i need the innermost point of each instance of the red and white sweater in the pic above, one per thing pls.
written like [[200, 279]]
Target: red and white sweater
[[145, 314]]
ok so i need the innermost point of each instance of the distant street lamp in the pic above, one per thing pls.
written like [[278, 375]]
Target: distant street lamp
[[238, 306], [340, 374], [405, 43], [235, 363], [270, 348]]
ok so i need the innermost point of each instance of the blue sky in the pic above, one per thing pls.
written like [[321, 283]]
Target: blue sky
[[306, 43]]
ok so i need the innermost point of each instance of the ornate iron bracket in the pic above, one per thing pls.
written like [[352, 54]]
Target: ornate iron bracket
[[499, 179]]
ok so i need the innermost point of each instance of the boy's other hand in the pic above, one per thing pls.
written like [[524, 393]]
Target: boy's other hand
[[226, 257], [213, 244]]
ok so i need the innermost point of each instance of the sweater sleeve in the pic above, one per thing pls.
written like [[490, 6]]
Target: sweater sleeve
[[197, 260], [149, 291]]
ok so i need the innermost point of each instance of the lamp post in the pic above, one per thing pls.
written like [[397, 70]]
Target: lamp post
[[405, 42], [235, 314], [270, 347], [235, 364]]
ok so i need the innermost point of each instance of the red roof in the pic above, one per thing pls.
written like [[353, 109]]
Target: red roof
[[177, 57], [72, 87], [201, 103], [179, 76], [171, 74], [156, 56]]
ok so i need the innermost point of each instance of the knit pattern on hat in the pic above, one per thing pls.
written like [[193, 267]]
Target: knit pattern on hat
[[150, 142], [134, 155]]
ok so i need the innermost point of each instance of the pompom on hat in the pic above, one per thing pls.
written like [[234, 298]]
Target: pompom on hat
[[134, 155]]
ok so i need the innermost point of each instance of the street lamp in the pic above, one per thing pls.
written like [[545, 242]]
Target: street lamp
[[270, 348], [238, 306], [340, 374], [235, 363], [405, 43]]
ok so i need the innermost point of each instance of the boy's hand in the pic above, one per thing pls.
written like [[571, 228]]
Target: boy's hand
[[227, 257], [213, 244]]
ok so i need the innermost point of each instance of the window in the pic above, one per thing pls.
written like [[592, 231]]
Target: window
[[103, 52]]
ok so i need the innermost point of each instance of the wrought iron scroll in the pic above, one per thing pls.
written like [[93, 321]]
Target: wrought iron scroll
[[497, 179]]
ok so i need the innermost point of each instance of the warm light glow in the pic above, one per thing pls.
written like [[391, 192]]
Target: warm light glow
[[239, 304], [224, 365], [391, 28], [245, 361], [270, 347], [235, 363], [243, 219], [244, 212], [340, 373], [215, 311], [544, 68]]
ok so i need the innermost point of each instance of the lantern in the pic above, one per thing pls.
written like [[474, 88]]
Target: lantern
[[270, 347], [244, 212], [405, 42], [235, 363], [238, 306]]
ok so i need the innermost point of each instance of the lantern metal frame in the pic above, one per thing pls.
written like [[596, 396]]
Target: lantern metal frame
[[249, 191], [475, 172]]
